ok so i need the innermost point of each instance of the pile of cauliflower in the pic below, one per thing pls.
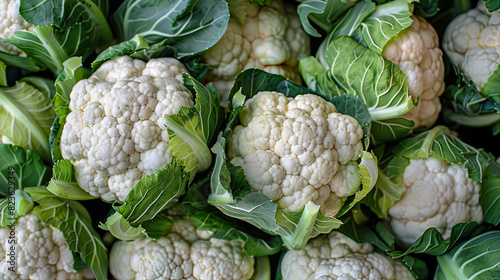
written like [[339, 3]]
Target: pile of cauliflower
[[298, 150], [115, 133], [268, 37]]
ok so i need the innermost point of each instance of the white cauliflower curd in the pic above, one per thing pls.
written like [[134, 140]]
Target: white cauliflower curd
[[267, 37], [470, 40], [115, 133], [416, 51], [183, 253], [298, 150], [337, 257], [437, 195], [40, 250]]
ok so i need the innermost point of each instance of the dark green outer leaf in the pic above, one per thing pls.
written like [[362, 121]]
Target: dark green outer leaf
[[417, 267], [310, 10], [490, 194], [29, 169], [73, 220], [432, 243], [390, 130], [24, 62], [190, 27], [68, 13], [153, 193], [476, 258], [381, 237], [50, 47], [158, 226], [492, 5], [208, 217], [252, 81], [426, 8], [124, 48]]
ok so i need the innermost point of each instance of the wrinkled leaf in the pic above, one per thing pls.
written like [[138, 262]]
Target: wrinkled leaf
[[190, 27], [208, 217], [20, 169]]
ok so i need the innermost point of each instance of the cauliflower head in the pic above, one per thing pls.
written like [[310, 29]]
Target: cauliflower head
[[268, 37], [298, 150], [416, 51], [335, 256], [41, 252], [437, 195], [470, 42], [115, 133], [183, 253], [11, 22]]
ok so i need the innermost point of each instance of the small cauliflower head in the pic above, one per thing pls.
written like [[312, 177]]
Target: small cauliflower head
[[267, 37], [416, 51], [470, 40], [116, 133], [11, 22], [438, 195], [40, 250], [183, 253], [298, 150], [337, 257]]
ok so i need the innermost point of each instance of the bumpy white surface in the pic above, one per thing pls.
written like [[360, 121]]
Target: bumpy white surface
[[183, 253], [115, 133], [41, 252], [437, 195], [270, 38], [337, 257], [470, 40], [298, 150], [11, 22], [416, 51]]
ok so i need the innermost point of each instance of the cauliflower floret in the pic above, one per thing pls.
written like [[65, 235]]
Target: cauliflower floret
[[335, 256], [296, 150], [183, 253], [270, 38], [416, 51], [11, 22], [41, 252], [470, 42], [437, 195], [115, 133]]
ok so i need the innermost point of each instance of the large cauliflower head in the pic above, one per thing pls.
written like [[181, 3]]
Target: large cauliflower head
[[11, 22], [416, 51], [470, 40], [268, 37], [41, 252], [437, 195], [115, 133], [183, 253], [335, 256], [296, 150]]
